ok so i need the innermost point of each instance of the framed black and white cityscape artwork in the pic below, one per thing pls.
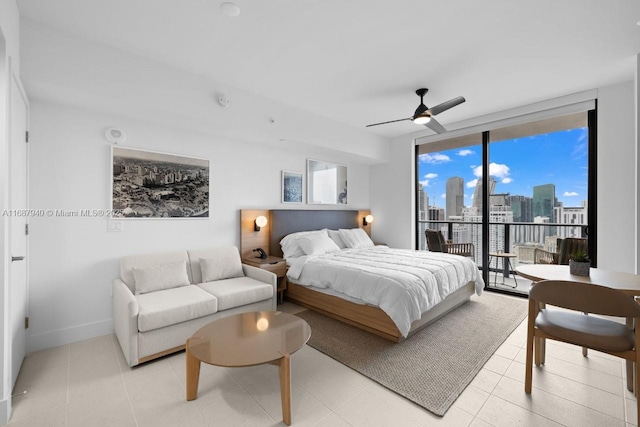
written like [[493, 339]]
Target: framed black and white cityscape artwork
[[291, 187], [148, 184]]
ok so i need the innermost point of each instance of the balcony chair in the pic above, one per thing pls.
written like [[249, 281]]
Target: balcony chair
[[437, 243], [566, 247], [573, 327]]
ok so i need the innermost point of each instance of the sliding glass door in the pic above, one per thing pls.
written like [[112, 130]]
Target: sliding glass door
[[449, 193], [514, 192]]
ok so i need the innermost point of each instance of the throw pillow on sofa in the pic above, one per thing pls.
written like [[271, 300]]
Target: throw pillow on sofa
[[159, 277], [226, 265]]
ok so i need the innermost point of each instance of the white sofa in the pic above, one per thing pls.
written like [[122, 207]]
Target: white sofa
[[161, 299]]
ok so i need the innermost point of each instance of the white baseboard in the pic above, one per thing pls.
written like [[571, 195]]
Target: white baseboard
[[5, 411], [69, 335]]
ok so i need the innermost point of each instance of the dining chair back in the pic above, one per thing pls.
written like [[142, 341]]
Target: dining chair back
[[574, 327]]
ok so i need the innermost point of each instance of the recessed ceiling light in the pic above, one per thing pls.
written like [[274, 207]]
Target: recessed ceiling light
[[230, 9]]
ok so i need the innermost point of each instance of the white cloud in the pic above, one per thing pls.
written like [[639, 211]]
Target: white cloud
[[431, 175], [435, 158], [507, 180], [498, 170], [472, 183], [425, 183], [466, 152], [495, 169], [444, 196], [570, 194]]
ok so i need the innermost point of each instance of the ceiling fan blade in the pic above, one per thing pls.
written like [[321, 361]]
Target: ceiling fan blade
[[446, 105], [392, 121], [435, 126]]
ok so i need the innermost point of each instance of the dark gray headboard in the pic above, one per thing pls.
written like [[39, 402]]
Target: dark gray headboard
[[287, 221]]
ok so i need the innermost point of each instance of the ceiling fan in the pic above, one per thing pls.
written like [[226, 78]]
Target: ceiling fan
[[424, 115]]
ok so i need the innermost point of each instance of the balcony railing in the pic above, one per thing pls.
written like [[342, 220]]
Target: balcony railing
[[519, 238]]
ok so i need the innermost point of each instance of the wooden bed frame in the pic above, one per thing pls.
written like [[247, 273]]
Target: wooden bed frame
[[367, 317]]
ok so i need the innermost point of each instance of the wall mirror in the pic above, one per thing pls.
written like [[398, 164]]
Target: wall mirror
[[326, 183]]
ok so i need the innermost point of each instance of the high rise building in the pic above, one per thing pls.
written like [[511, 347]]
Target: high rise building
[[500, 199], [571, 215], [477, 194], [423, 203], [455, 196], [522, 208], [436, 213], [503, 214], [544, 200]]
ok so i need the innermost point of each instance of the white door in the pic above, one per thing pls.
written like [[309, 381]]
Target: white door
[[18, 205]]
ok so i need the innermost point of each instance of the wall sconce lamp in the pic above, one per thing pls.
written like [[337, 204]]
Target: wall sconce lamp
[[367, 220], [260, 221]]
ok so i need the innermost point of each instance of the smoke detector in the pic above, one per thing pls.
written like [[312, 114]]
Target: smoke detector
[[230, 9], [115, 135]]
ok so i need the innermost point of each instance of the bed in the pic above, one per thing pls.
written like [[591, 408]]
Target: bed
[[374, 272]]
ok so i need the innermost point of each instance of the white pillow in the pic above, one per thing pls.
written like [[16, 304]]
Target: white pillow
[[289, 244], [159, 277], [226, 266], [356, 238], [317, 244], [335, 236]]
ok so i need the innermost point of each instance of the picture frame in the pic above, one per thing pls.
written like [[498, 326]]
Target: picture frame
[[155, 185], [292, 187]]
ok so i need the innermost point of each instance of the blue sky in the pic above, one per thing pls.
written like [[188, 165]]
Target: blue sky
[[518, 165]]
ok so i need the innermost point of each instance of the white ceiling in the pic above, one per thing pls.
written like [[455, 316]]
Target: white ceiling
[[360, 61]]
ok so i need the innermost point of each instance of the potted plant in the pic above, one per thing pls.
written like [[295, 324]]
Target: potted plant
[[579, 263]]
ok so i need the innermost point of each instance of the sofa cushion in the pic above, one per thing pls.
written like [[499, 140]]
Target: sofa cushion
[[226, 266], [227, 259], [128, 263], [237, 292], [170, 306], [159, 277]]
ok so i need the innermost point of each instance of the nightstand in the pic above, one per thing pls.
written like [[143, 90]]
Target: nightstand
[[276, 265]]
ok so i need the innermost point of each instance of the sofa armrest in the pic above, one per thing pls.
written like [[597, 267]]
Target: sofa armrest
[[125, 320], [263, 276]]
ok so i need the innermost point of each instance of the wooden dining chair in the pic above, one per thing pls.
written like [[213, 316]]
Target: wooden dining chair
[[574, 327]]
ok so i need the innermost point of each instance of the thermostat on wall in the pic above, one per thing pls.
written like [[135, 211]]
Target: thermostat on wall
[[115, 135]]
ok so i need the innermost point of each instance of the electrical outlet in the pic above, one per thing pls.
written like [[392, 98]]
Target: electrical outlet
[[114, 226]]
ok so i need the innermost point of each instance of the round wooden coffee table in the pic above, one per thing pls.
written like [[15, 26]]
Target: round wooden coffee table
[[248, 339]]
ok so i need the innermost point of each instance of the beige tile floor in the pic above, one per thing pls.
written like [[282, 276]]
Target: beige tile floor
[[89, 384]]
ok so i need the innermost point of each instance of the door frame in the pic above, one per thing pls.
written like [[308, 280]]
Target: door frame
[[14, 78]]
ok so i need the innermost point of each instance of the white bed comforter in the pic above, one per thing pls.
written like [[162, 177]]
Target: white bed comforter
[[402, 282]]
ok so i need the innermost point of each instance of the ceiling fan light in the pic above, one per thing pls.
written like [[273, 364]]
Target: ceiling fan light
[[422, 119]]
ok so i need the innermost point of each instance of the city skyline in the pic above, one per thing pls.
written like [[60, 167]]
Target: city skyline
[[518, 165]]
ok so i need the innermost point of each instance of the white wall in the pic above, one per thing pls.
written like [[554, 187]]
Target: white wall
[[392, 184], [636, 89], [9, 51], [74, 260], [392, 197], [617, 185]]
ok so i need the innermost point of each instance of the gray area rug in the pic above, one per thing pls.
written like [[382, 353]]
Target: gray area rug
[[434, 366]]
